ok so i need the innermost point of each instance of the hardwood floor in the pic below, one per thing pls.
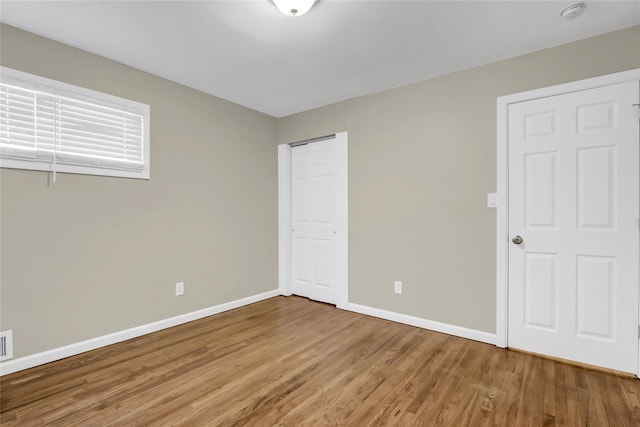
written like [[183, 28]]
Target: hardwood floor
[[290, 361]]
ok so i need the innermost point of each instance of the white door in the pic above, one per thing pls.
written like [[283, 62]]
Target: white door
[[313, 213], [573, 199]]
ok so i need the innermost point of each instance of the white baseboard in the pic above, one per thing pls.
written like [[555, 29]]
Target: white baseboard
[[30, 361], [432, 325]]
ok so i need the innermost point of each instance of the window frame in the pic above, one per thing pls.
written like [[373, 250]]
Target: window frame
[[80, 93]]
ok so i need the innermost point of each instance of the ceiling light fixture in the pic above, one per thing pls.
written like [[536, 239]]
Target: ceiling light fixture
[[294, 7], [573, 11]]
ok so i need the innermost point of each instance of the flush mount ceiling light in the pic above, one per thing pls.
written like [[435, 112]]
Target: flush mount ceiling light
[[573, 11], [294, 7]]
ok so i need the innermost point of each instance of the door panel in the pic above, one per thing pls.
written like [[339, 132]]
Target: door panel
[[573, 197], [540, 282], [540, 190], [596, 203], [313, 211], [596, 287]]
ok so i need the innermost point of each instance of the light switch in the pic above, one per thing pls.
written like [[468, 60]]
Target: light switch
[[492, 200]]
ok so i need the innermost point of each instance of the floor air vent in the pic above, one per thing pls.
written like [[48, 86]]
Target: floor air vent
[[6, 345]]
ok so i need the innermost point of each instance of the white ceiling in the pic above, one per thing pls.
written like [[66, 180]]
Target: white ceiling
[[249, 53]]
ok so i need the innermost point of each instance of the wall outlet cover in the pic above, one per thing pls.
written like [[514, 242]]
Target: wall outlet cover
[[397, 287], [179, 288], [6, 345]]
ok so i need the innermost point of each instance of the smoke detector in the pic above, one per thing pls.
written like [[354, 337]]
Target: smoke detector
[[573, 11]]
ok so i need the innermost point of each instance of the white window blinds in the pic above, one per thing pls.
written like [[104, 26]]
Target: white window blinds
[[76, 131]]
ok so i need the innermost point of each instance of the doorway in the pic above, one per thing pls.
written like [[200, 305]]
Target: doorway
[[313, 219]]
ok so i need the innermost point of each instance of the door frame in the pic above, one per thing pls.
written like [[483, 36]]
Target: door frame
[[502, 214], [341, 241]]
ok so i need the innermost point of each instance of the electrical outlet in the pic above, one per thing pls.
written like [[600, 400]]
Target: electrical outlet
[[397, 287], [6, 345], [179, 288]]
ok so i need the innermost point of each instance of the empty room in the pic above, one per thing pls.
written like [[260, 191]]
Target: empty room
[[319, 212]]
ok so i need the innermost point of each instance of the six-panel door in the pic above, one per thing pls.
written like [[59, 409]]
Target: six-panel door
[[573, 198], [313, 218]]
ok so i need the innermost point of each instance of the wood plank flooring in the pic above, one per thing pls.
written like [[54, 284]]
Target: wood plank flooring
[[292, 362]]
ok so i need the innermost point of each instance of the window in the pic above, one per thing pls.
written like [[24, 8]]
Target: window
[[53, 126]]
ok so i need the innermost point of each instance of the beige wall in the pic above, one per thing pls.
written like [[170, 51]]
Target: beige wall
[[94, 255], [421, 160]]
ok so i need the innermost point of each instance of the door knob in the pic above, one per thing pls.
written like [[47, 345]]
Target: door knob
[[517, 240]]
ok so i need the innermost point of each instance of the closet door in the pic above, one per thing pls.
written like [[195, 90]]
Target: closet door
[[313, 209]]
